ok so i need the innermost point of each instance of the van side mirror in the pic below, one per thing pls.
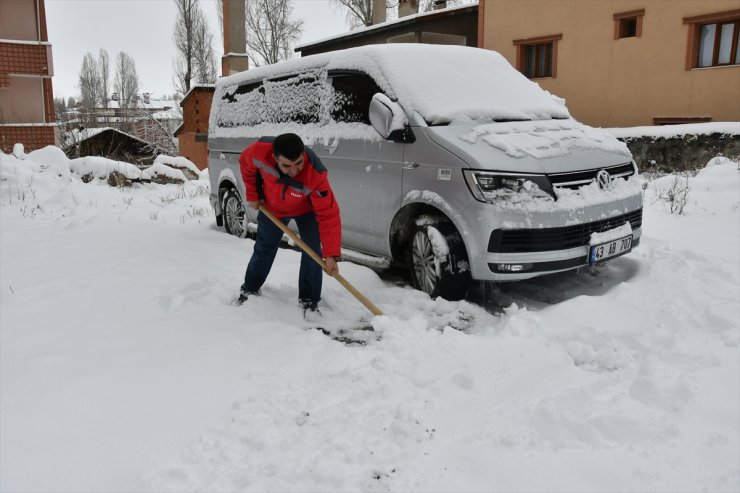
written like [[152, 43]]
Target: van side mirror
[[388, 118]]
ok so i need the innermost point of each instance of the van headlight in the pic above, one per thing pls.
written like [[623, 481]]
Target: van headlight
[[487, 186]]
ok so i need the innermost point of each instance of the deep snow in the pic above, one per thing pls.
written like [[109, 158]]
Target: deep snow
[[123, 367]]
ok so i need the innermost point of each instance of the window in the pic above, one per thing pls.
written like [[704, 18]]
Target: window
[[351, 95], [713, 40], [537, 57], [295, 98], [677, 120], [628, 24]]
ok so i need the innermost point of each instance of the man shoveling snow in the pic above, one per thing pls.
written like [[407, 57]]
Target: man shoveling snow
[[288, 179]]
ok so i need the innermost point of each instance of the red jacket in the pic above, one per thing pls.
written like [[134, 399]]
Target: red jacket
[[289, 197]]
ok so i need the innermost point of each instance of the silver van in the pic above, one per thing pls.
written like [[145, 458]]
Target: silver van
[[444, 159]]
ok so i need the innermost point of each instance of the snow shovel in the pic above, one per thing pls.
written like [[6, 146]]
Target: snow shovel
[[360, 297]]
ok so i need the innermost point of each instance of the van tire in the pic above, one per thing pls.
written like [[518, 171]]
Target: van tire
[[233, 211], [448, 276]]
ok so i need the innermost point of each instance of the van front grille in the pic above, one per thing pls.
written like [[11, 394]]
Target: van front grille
[[549, 239], [580, 178]]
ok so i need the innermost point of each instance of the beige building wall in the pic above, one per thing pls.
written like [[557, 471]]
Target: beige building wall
[[622, 82], [18, 20]]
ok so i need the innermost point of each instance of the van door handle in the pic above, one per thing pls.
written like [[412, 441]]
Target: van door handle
[[410, 165]]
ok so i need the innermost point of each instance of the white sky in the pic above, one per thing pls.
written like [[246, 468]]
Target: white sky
[[143, 28]]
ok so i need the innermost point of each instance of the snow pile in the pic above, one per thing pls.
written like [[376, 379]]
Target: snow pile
[[625, 376], [50, 185], [178, 162], [713, 191], [161, 169], [101, 167]]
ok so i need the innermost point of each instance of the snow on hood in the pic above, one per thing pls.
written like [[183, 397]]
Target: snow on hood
[[442, 84], [546, 146], [544, 139]]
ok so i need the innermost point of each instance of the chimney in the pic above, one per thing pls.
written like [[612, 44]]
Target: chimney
[[235, 38], [407, 7], [439, 4], [378, 12]]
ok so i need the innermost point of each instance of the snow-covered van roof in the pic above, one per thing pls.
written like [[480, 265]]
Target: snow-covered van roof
[[443, 84]]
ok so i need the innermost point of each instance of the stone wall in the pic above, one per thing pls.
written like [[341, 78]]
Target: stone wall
[[681, 153]]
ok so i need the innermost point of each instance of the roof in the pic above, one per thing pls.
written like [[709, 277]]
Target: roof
[[197, 88], [441, 83], [77, 136], [385, 26]]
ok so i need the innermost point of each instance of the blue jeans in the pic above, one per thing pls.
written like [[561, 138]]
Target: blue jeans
[[265, 249]]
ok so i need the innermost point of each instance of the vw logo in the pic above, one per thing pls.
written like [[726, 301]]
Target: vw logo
[[604, 179]]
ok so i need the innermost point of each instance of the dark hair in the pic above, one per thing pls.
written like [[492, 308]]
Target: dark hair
[[290, 146]]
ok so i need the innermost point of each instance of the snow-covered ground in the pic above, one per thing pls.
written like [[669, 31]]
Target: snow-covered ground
[[124, 367]]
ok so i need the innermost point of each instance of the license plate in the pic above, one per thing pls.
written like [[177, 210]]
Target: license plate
[[610, 249]]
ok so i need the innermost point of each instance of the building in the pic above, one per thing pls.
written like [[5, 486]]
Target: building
[[26, 97], [624, 63], [111, 143], [193, 133], [453, 25]]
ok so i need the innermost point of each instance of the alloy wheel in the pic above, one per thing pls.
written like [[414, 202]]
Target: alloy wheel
[[234, 216], [425, 268]]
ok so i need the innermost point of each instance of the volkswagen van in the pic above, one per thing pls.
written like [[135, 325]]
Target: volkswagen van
[[444, 159]]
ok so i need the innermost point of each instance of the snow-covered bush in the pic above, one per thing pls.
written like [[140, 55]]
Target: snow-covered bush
[[675, 193]]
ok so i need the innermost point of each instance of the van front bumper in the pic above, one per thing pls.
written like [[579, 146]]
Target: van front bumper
[[523, 253]]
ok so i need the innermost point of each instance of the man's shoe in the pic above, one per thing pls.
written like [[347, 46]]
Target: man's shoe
[[310, 309], [244, 296], [309, 305]]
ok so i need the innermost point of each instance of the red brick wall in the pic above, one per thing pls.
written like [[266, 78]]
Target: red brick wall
[[23, 59], [31, 137], [42, 19], [197, 152], [48, 101], [196, 111]]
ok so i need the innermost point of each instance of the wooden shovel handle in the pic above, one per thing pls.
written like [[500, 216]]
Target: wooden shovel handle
[[336, 275]]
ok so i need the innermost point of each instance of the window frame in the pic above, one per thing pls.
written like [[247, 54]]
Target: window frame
[[695, 25], [620, 19], [521, 54]]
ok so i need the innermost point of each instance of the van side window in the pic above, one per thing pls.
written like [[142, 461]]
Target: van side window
[[295, 98], [351, 97], [242, 106]]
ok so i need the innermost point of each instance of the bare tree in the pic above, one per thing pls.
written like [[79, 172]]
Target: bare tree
[[195, 58], [89, 86], [103, 77], [126, 82], [206, 67], [271, 34], [359, 12]]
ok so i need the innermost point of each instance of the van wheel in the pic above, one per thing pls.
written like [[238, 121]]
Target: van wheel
[[432, 270], [233, 213]]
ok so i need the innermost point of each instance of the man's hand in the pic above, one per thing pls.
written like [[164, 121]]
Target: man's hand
[[331, 266], [256, 204]]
